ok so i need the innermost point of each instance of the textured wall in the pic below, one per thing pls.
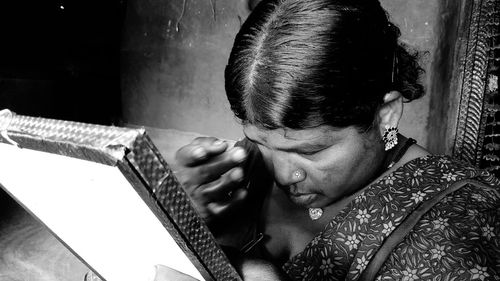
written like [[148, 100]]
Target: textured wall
[[174, 54], [417, 20]]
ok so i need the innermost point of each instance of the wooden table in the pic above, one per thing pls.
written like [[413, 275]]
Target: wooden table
[[29, 252]]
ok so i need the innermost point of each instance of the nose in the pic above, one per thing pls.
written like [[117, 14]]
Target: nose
[[286, 171]]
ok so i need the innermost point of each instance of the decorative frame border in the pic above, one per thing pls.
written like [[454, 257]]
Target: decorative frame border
[[474, 53], [133, 152]]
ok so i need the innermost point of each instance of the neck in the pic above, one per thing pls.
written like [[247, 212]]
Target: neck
[[393, 154]]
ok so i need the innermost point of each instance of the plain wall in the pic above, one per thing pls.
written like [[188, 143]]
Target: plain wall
[[174, 54], [173, 64], [418, 21]]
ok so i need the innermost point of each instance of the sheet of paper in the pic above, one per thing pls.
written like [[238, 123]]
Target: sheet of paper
[[94, 210]]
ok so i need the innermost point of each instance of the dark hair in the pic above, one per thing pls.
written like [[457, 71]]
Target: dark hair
[[301, 64]]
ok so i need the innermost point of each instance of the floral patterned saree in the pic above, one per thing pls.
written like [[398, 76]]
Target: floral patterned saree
[[432, 219]]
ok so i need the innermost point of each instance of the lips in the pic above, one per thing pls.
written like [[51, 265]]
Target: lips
[[291, 189], [304, 200], [297, 194]]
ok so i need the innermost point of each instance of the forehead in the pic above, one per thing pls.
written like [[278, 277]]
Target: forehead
[[286, 137]]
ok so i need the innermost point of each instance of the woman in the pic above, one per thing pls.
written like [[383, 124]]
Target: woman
[[323, 187]]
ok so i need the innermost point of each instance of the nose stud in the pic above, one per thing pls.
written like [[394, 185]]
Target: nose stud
[[298, 174]]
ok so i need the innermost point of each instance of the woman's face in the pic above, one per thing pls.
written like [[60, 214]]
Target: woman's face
[[332, 162]]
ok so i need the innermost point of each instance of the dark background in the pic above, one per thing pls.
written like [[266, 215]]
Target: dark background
[[61, 59], [58, 59]]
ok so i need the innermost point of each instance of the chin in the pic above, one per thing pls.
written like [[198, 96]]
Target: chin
[[324, 202]]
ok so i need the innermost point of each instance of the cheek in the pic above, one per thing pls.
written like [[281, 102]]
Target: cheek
[[343, 169], [338, 161], [324, 177], [329, 181]]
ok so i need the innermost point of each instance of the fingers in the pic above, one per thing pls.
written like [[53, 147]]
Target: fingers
[[213, 169], [219, 189], [218, 196], [199, 150], [217, 208], [212, 175]]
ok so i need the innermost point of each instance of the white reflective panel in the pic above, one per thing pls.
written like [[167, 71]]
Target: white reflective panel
[[94, 210]]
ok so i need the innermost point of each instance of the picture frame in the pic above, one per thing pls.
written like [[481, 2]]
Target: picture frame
[[108, 195]]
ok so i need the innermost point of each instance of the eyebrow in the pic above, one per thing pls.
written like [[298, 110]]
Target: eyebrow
[[302, 147], [286, 134]]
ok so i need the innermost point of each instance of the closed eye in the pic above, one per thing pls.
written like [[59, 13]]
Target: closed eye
[[312, 152], [309, 153]]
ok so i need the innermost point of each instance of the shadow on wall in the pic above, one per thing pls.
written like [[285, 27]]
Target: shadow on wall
[[174, 54]]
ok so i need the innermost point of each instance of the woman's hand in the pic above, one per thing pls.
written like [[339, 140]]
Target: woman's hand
[[260, 270], [165, 273], [211, 174], [250, 270]]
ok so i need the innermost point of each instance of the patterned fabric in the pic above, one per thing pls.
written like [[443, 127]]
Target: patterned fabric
[[458, 239]]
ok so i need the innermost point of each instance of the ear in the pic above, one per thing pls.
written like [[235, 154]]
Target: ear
[[391, 111]]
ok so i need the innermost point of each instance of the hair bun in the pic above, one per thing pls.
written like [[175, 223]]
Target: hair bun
[[407, 73]]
